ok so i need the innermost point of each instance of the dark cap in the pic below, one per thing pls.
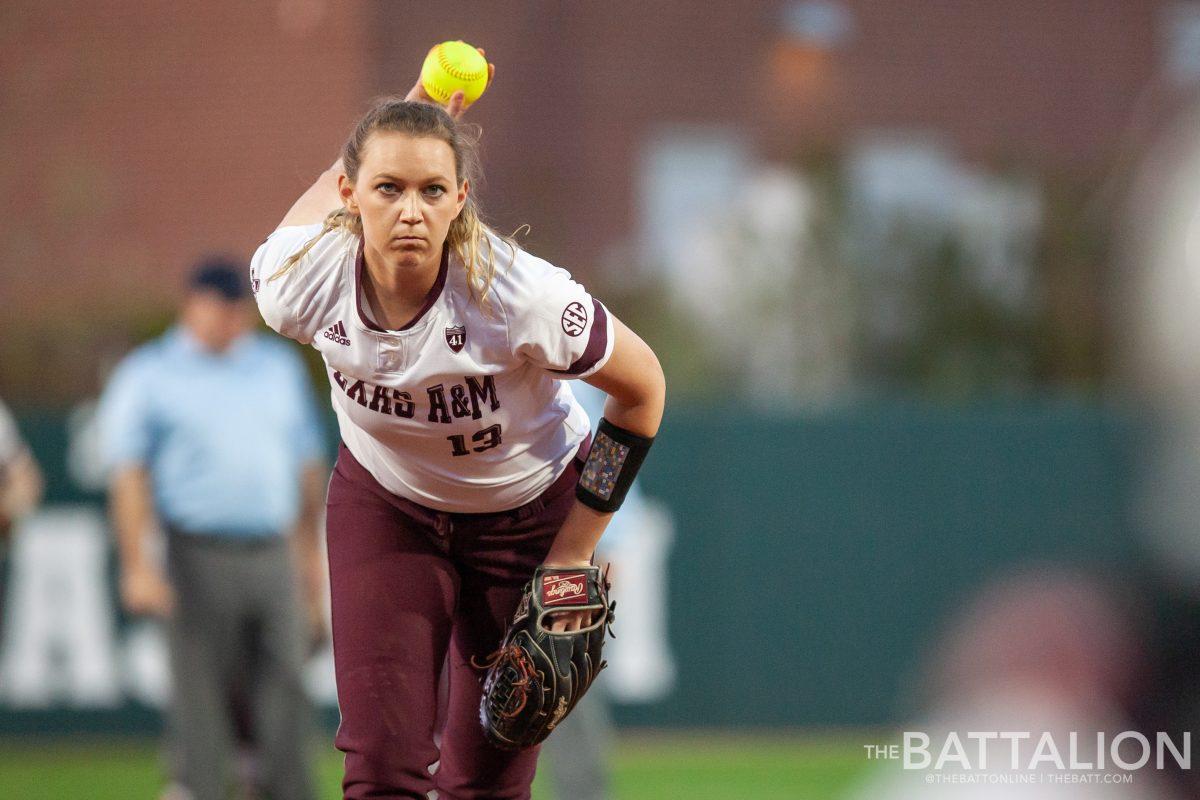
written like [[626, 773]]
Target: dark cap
[[222, 275]]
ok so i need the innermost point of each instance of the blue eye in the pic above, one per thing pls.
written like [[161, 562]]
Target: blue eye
[[436, 189], [387, 187]]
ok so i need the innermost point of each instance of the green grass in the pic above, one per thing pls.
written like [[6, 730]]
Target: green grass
[[648, 765], [704, 767]]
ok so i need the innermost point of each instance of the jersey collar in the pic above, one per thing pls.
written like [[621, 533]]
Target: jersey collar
[[435, 292]]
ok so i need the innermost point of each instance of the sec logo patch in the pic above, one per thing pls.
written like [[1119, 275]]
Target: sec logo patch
[[574, 319]]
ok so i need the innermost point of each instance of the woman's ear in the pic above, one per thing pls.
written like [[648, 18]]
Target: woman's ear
[[346, 190], [461, 200]]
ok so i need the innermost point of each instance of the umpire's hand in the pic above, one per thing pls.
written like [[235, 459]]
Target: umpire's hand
[[144, 591]]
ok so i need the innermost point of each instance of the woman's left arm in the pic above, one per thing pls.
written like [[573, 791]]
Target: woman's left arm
[[633, 380]]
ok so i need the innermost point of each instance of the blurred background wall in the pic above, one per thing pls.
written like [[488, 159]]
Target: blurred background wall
[[892, 255], [137, 136], [623, 133]]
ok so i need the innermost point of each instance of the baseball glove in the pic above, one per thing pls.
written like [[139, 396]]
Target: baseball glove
[[537, 676]]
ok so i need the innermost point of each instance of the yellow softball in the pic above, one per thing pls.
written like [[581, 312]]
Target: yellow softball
[[452, 67]]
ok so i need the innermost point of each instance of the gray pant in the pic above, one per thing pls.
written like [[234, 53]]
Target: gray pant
[[579, 751], [237, 605]]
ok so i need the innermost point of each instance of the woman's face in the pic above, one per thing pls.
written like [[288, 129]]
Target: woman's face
[[407, 194]]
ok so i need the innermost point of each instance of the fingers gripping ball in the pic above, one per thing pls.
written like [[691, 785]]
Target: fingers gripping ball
[[537, 676], [452, 67]]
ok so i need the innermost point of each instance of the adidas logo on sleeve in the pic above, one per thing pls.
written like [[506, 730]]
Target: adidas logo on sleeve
[[337, 333]]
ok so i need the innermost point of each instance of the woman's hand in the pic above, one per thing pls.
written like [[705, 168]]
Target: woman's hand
[[456, 106], [566, 621]]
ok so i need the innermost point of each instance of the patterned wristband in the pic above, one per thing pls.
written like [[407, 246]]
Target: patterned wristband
[[612, 464]]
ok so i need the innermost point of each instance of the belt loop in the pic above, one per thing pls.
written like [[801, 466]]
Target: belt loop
[[534, 506], [443, 524]]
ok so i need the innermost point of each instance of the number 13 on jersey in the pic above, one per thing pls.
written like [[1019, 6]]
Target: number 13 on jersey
[[485, 439]]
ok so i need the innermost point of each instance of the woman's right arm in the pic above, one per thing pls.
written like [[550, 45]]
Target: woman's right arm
[[317, 201], [323, 197]]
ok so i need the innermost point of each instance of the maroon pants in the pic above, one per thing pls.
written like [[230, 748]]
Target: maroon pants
[[409, 586]]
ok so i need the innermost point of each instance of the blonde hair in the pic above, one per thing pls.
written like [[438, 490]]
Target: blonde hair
[[469, 238]]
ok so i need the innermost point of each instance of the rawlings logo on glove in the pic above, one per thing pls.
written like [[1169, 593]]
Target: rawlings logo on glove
[[537, 676], [563, 589]]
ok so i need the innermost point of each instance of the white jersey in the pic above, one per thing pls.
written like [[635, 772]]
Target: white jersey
[[463, 409]]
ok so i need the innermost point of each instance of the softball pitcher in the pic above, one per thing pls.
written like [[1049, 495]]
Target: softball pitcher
[[465, 461]]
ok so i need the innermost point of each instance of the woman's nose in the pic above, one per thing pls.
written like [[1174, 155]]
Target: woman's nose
[[410, 210]]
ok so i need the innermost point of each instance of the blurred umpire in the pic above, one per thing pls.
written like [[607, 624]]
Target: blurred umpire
[[211, 436]]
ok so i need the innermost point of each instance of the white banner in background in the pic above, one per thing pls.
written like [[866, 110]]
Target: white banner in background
[[60, 645]]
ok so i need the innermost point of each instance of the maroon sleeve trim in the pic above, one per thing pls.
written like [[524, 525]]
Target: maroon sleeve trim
[[597, 343]]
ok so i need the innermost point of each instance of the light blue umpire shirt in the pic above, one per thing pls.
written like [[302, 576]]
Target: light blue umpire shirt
[[224, 436]]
